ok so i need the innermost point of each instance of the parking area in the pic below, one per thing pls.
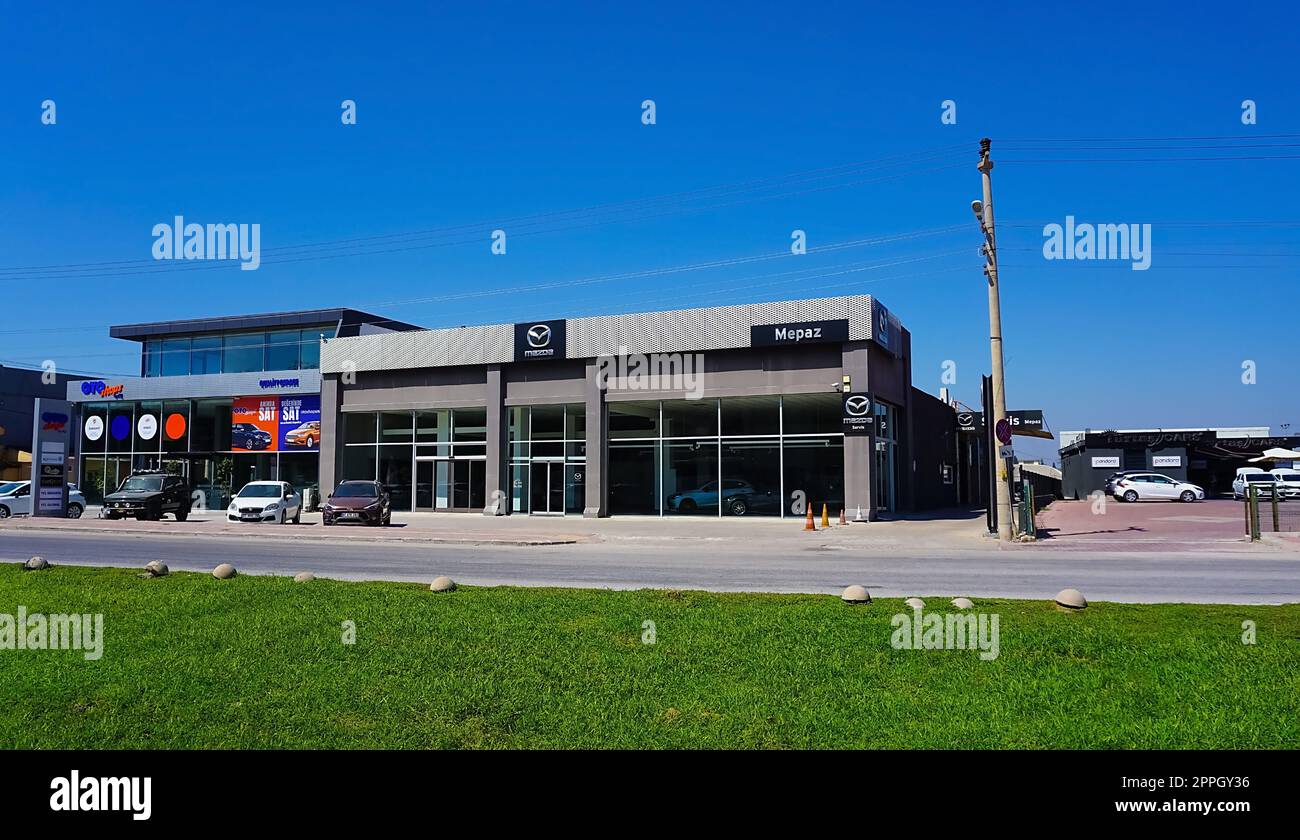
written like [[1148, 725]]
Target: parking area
[[1121, 525]]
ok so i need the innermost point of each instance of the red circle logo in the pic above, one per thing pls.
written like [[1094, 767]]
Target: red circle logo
[[175, 427]]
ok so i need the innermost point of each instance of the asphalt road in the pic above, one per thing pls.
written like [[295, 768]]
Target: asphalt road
[[1270, 576]]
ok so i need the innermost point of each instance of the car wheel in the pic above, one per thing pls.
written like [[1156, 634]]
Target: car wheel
[[387, 520], [686, 506], [297, 516], [1130, 496], [738, 507], [281, 519], [111, 516], [1188, 496], [74, 511], [4, 512], [182, 514], [310, 442]]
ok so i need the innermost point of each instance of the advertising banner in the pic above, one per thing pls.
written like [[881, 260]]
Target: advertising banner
[[300, 423], [255, 424], [50, 437]]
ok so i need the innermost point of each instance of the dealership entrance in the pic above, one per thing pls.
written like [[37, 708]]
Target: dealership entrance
[[446, 483], [556, 488]]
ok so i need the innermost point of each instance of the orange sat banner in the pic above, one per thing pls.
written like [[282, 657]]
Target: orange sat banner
[[254, 424]]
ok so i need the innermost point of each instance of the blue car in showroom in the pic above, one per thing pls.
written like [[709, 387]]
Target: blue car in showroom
[[248, 436], [738, 499]]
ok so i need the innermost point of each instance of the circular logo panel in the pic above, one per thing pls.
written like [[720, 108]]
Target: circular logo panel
[[175, 427], [857, 405], [121, 427], [94, 427], [146, 426], [539, 336]]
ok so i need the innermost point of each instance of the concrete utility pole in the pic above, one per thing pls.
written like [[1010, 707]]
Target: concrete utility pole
[[984, 213]]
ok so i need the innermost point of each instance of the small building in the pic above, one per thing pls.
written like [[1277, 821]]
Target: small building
[[1206, 457]]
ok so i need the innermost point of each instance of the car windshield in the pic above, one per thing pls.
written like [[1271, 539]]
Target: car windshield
[[138, 484], [259, 491], [355, 490], [1288, 476], [1255, 479]]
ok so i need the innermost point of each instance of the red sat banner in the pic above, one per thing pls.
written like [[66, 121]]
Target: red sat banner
[[255, 424]]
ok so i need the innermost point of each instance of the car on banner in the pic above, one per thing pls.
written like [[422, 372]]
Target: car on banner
[[16, 500], [266, 501], [307, 435], [358, 501], [248, 436]]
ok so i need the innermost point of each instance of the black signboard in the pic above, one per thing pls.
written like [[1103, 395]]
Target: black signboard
[[807, 332], [1027, 422], [539, 340], [856, 417], [969, 421]]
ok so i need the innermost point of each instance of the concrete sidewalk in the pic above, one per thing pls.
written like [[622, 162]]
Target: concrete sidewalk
[[959, 529]]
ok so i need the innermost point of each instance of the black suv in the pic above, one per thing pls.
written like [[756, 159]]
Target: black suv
[[148, 495]]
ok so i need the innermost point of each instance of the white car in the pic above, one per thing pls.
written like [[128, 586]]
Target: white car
[[1288, 482], [1253, 478], [1156, 487], [266, 501], [16, 499]]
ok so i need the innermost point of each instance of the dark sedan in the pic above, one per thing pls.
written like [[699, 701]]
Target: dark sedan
[[248, 436], [358, 501]]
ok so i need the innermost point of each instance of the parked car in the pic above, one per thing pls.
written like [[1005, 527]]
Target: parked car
[[1255, 479], [149, 495], [306, 435], [266, 501], [16, 500], [248, 436], [1156, 487], [1288, 482], [358, 501], [738, 498]]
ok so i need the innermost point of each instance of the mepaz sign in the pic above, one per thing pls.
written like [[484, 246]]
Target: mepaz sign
[[50, 457], [856, 417]]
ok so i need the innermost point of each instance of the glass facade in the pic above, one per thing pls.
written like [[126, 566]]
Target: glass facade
[[428, 460], [242, 352], [737, 456], [190, 438], [548, 459]]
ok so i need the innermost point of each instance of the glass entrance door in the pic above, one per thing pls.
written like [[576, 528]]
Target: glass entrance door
[[450, 483], [546, 488]]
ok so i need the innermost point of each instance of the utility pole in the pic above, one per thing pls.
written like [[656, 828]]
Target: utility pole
[[984, 213]]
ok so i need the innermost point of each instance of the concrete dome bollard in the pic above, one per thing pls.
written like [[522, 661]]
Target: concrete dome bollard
[[442, 583], [35, 564], [1071, 599], [915, 603], [963, 603], [156, 568], [304, 577], [224, 572], [855, 595]]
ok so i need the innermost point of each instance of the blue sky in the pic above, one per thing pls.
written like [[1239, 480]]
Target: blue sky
[[469, 114]]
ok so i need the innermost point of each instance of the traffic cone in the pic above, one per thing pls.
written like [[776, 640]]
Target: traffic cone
[[826, 520], [843, 521], [808, 525], [859, 517]]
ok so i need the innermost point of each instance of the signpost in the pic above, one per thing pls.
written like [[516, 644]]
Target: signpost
[[50, 433]]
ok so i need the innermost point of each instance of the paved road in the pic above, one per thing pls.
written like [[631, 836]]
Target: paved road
[[1269, 576]]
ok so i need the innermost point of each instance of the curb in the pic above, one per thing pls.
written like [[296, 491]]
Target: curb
[[315, 536]]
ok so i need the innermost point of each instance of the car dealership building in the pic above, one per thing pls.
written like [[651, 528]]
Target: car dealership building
[[220, 401], [752, 410]]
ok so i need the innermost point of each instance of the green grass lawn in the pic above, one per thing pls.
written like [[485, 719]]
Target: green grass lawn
[[257, 662]]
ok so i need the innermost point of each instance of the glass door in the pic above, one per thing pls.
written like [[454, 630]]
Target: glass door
[[546, 488]]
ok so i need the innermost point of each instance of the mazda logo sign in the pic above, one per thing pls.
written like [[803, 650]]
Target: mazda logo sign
[[965, 420], [539, 336], [857, 406]]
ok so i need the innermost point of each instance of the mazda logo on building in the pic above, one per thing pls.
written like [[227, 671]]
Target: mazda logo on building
[[857, 406], [965, 420], [539, 335]]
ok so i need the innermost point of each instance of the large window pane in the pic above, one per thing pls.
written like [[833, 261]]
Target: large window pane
[[548, 422], [309, 348], [690, 418], [575, 422], [121, 420], [211, 422], [282, 350], [243, 352], [174, 426], [469, 424], [815, 467], [812, 413], [690, 481], [94, 427], [175, 357], [433, 426], [395, 427], [751, 477], [359, 428], [358, 463], [92, 480], [633, 478], [148, 427], [636, 419], [395, 474], [205, 354], [751, 415], [152, 358]]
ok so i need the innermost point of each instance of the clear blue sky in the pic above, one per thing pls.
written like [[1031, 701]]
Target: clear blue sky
[[469, 114]]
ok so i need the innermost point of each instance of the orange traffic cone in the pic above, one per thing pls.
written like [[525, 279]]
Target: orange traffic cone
[[826, 520], [808, 525], [843, 521]]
